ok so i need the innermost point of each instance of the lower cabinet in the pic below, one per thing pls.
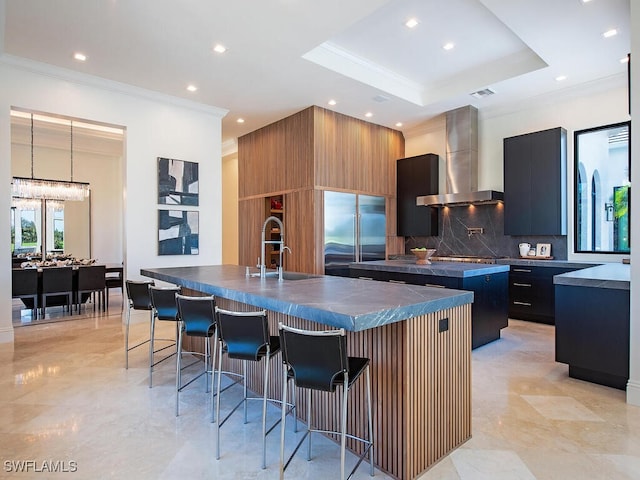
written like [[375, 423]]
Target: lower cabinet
[[531, 292], [592, 333], [489, 311]]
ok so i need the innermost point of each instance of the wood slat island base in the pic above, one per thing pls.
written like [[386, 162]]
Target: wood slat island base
[[420, 379]]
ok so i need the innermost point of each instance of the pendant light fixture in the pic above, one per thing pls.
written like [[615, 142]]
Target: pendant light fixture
[[36, 188]]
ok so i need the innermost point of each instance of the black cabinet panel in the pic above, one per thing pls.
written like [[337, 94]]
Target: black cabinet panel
[[531, 292], [416, 176], [592, 333], [535, 183]]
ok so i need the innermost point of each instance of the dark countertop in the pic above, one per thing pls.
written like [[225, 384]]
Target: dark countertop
[[611, 275], [442, 269], [533, 262], [348, 303]]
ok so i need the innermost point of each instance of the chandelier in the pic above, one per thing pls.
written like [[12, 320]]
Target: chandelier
[[37, 188]]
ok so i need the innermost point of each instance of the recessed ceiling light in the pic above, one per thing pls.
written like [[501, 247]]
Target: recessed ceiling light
[[81, 57], [219, 48], [240, 120], [586, 1], [448, 46], [332, 102], [560, 78], [368, 114], [399, 124], [192, 88], [412, 23], [610, 33]]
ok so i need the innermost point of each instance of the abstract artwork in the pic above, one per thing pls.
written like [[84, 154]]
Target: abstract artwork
[[178, 232], [177, 182]]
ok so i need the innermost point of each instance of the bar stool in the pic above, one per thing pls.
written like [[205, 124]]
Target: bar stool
[[317, 360], [139, 299], [197, 319], [245, 336], [165, 308]]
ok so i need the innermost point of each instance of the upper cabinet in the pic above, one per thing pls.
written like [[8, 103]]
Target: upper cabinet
[[535, 174], [416, 176]]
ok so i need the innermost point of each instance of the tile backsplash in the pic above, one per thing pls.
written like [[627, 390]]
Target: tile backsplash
[[460, 228]]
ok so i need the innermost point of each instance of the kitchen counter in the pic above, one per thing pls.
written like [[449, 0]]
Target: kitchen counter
[[488, 282], [444, 269], [335, 301], [592, 323], [418, 340], [610, 275], [539, 262]]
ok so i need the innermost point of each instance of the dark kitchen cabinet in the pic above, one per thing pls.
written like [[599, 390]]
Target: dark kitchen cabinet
[[592, 333], [535, 174], [416, 176], [531, 292]]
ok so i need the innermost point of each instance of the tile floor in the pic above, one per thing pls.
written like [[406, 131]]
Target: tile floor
[[67, 403]]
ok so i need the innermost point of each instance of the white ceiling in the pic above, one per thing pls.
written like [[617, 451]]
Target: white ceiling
[[285, 55]]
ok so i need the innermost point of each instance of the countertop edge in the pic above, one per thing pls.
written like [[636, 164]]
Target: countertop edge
[[358, 322]]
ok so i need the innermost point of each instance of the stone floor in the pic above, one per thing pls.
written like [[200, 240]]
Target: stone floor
[[67, 403]]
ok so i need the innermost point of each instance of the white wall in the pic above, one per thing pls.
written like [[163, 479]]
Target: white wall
[[633, 386], [156, 125]]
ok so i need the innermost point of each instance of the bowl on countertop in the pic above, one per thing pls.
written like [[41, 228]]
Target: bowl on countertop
[[423, 255]]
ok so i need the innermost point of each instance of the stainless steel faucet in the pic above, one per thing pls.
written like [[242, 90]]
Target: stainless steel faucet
[[263, 266]]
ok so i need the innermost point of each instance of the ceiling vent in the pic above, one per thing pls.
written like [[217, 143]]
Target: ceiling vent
[[482, 93], [381, 98]]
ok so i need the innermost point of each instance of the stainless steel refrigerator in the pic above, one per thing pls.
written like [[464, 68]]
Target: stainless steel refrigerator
[[354, 230]]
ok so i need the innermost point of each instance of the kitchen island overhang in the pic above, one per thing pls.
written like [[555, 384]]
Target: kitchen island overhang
[[335, 301], [417, 338]]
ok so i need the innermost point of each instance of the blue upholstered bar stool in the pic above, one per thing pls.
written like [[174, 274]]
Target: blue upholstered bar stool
[[197, 319], [245, 336], [165, 308], [138, 299], [317, 360]]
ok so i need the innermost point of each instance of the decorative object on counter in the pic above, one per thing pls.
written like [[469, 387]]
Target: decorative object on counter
[[177, 182], [423, 254], [524, 249], [543, 250]]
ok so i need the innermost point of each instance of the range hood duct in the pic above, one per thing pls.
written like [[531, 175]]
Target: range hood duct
[[461, 163]]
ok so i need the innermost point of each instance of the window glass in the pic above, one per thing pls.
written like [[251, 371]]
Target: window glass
[[602, 189]]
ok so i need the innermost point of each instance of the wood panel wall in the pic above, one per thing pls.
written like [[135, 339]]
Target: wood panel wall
[[314, 149], [277, 158], [251, 216], [421, 388], [355, 155]]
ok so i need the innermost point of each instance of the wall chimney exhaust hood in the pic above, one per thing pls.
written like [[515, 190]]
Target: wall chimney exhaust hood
[[461, 163]]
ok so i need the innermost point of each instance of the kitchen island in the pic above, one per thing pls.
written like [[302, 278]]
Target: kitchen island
[[593, 323], [418, 339], [488, 282]]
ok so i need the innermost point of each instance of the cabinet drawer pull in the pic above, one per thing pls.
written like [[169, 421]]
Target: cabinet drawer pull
[[397, 281], [515, 284], [526, 304], [434, 285], [524, 270]]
